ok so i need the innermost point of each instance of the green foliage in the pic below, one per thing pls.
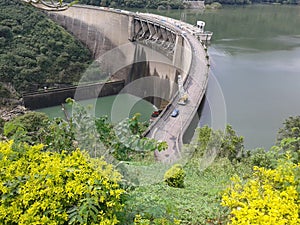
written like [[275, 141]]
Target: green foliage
[[197, 203], [269, 159], [219, 144], [26, 127], [99, 136], [120, 140], [6, 33], [143, 206], [174, 177], [94, 73], [8, 95], [58, 135], [85, 132], [288, 141], [34, 127], [34, 51], [4, 92], [290, 129], [128, 140], [138, 220], [269, 196], [232, 145], [261, 158], [173, 4], [39, 187]]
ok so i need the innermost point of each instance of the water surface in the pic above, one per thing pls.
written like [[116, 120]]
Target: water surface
[[116, 107], [255, 57]]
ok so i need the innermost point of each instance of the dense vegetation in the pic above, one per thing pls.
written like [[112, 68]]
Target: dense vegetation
[[34, 51], [40, 187], [172, 4], [218, 181], [96, 135]]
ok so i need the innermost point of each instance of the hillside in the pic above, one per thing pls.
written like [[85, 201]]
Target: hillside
[[35, 52]]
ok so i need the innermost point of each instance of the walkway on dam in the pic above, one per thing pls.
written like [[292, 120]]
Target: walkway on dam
[[171, 129]]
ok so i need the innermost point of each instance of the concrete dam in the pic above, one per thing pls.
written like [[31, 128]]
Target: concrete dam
[[148, 52]]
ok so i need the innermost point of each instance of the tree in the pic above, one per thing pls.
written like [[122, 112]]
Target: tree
[[6, 33], [222, 144], [290, 129]]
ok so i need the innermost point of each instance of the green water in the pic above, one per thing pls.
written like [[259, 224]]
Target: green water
[[116, 107], [255, 58]]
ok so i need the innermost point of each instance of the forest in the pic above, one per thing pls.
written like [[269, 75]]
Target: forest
[[35, 52]]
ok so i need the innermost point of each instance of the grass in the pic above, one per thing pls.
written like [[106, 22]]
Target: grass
[[197, 203]]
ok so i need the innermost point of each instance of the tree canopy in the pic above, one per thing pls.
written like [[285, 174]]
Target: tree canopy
[[34, 51]]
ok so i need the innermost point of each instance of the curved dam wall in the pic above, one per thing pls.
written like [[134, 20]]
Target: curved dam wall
[[148, 52], [115, 39]]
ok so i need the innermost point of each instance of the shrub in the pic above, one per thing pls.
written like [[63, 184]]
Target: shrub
[[54, 188], [270, 196], [269, 159], [220, 143], [261, 158], [174, 177], [28, 124], [290, 129]]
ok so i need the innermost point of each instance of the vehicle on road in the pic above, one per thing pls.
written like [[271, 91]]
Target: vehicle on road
[[156, 113], [175, 113]]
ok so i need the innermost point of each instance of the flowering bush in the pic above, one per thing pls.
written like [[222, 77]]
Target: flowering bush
[[174, 177], [270, 196], [39, 187]]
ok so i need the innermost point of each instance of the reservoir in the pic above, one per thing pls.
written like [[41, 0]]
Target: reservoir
[[255, 66], [256, 59]]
